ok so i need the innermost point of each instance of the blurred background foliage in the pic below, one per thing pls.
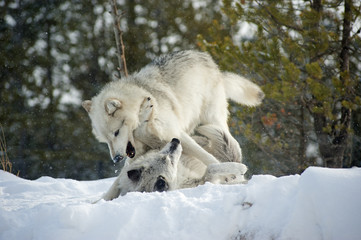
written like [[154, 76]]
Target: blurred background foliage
[[54, 54], [306, 55]]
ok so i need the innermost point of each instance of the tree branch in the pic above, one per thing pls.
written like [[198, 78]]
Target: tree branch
[[277, 21], [119, 40]]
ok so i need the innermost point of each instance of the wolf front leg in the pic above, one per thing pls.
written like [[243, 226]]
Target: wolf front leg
[[146, 134], [191, 147], [146, 110]]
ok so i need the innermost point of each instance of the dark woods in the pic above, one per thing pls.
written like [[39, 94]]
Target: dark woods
[[305, 56]]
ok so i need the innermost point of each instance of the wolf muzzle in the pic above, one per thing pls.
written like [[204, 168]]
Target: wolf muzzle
[[174, 144], [130, 153], [117, 158]]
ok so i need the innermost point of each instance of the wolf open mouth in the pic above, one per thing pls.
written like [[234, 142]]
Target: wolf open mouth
[[130, 150]]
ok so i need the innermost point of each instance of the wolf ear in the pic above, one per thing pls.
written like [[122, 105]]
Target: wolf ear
[[87, 104], [111, 105]]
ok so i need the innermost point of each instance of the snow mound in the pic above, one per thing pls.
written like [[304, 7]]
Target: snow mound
[[319, 204]]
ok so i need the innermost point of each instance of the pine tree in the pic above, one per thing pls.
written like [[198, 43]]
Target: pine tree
[[52, 50], [305, 55]]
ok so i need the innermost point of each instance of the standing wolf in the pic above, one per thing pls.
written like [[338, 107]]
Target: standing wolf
[[167, 99]]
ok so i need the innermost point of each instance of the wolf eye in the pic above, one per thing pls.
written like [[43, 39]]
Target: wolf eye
[[116, 133], [134, 174]]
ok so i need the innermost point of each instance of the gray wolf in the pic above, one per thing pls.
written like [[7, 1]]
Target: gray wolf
[[168, 169], [168, 99]]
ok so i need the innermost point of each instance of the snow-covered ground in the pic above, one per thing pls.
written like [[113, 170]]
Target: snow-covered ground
[[319, 204]]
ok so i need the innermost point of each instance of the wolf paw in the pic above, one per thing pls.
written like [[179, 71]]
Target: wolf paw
[[146, 110], [226, 173]]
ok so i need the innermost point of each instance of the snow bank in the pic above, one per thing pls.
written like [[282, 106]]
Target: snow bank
[[319, 204]]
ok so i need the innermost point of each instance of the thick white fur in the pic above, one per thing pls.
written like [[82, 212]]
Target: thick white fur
[[180, 92], [181, 170]]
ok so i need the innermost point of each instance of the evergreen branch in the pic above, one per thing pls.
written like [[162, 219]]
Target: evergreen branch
[[356, 33], [122, 69], [277, 21], [263, 149], [322, 54]]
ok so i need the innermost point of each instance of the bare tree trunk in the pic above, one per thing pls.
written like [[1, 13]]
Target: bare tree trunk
[[51, 109], [341, 139], [333, 145], [119, 40], [302, 160]]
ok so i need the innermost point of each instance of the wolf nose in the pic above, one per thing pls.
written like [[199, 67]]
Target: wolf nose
[[175, 140], [174, 144], [117, 158], [161, 185]]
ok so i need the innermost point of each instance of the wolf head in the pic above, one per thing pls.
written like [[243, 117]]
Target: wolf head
[[153, 171], [114, 114]]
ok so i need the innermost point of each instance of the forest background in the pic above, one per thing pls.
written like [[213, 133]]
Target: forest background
[[304, 54]]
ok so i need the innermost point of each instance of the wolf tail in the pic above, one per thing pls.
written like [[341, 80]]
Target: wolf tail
[[218, 143], [242, 90]]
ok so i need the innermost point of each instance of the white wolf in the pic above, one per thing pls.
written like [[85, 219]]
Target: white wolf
[[167, 169], [181, 91]]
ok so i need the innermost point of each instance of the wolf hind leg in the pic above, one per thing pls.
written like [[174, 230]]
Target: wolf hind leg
[[191, 147], [219, 142], [226, 173]]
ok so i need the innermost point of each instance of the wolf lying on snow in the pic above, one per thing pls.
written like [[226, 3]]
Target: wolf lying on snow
[[169, 169], [182, 90]]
